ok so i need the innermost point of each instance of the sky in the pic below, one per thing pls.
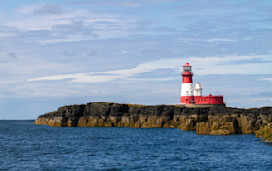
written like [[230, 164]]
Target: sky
[[62, 52]]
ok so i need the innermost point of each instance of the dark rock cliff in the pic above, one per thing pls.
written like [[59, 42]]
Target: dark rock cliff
[[205, 120]]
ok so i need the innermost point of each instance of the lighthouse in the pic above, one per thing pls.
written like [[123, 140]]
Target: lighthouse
[[192, 96], [187, 93]]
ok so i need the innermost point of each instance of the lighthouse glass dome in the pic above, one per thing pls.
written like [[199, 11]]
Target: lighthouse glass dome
[[186, 69]]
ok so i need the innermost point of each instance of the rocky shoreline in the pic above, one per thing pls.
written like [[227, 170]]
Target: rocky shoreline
[[204, 120]]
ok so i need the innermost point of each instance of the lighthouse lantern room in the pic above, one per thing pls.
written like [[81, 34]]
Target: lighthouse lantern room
[[193, 96]]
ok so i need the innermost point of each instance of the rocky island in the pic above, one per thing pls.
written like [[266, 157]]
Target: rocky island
[[217, 120]]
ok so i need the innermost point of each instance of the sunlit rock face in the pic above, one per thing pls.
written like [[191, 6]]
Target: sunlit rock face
[[216, 120]]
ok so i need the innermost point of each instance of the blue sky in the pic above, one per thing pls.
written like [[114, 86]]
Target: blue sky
[[61, 52]]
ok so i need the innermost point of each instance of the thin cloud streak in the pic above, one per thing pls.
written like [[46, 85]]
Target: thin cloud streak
[[267, 79], [204, 66]]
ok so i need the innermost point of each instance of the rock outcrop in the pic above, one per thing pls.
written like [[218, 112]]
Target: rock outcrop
[[205, 120]]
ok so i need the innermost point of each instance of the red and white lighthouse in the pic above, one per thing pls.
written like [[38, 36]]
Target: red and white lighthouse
[[187, 93], [193, 96]]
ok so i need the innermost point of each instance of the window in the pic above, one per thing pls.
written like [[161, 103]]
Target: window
[[186, 69]]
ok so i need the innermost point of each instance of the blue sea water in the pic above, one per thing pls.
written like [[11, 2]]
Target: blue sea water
[[25, 146]]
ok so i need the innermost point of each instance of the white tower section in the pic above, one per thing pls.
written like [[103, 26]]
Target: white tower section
[[187, 89], [198, 90]]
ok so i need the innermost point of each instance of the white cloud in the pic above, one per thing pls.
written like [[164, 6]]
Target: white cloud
[[7, 34], [219, 40], [69, 38], [152, 79], [104, 25], [79, 78], [267, 100], [267, 79], [208, 40], [204, 66], [122, 52], [32, 23]]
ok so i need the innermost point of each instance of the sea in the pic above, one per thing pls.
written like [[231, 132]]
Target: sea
[[25, 146]]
